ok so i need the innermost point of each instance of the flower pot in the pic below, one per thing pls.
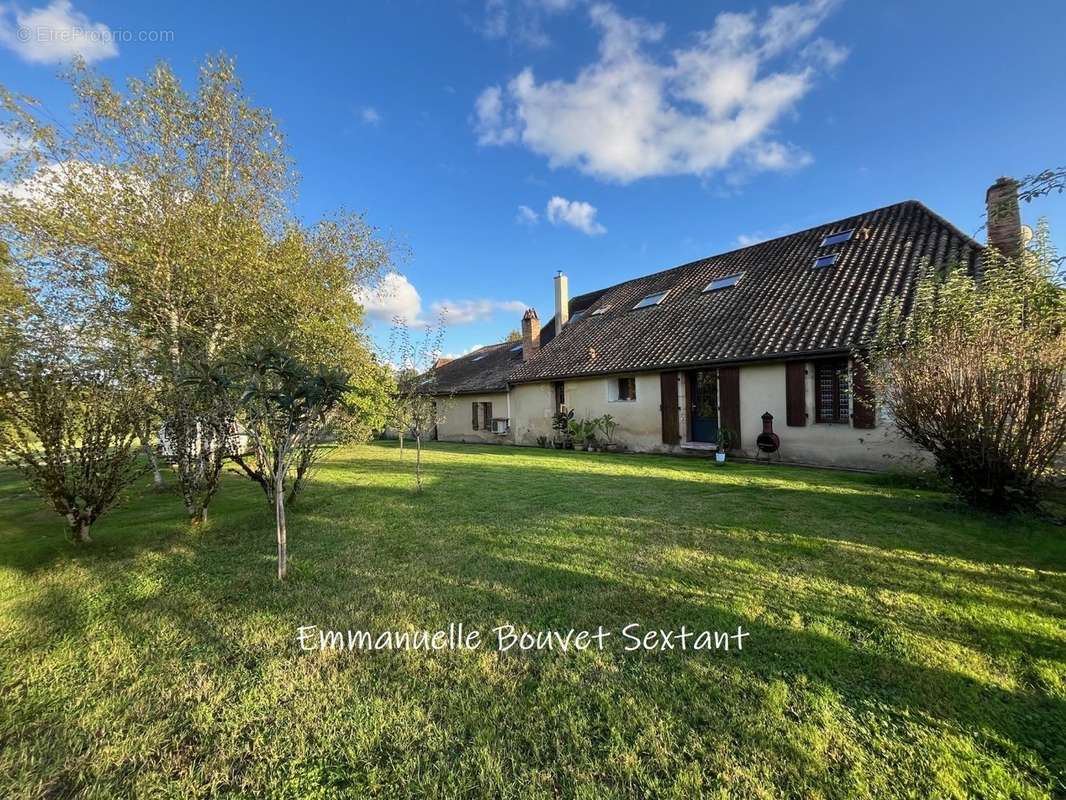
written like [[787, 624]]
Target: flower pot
[[719, 457]]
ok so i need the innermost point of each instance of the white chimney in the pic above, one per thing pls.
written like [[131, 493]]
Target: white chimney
[[562, 301]]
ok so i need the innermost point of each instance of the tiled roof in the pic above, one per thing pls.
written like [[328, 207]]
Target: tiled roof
[[484, 370], [781, 306], [577, 304]]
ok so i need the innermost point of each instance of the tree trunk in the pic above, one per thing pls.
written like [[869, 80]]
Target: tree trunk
[[400, 434], [79, 530], [418, 462], [279, 514], [157, 475]]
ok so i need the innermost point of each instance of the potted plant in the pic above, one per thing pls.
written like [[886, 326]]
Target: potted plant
[[576, 432], [609, 426], [561, 424], [591, 442], [725, 442]]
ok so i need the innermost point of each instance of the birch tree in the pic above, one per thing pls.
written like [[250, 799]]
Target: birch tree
[[180, 200]]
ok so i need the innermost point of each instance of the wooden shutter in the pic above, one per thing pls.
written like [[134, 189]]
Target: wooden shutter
[[488, 417], [473, 420], [863, 412], [729, 402], [668, 389], [796, 393]]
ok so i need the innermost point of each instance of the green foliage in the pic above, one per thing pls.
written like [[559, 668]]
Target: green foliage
[[170, 209], [71, 431], [975, 373]]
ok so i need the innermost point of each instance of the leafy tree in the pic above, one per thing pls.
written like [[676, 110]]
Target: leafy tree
[[514, 336], [415, 410], [976, 373], [179, 201], [286, 407]]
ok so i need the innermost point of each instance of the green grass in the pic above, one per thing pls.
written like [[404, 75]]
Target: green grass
[[899, 645]]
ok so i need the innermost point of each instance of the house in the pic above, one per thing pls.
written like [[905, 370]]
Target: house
[[770, 329]]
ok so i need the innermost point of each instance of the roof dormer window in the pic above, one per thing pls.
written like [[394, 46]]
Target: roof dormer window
[[825, 261], [651, 300]]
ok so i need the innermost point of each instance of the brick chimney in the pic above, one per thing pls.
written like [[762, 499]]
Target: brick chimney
[[530, 334], [1004, 217], [562, 301]]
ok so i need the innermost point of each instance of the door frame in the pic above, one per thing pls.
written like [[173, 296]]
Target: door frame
[[690, 401]]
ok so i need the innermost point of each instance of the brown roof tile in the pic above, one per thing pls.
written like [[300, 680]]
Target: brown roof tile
[[781, 306]]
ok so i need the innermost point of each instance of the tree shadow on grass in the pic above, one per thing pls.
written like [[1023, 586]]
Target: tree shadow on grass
[[546, 546]]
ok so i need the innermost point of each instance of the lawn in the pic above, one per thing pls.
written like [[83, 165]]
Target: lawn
[[898, 645]]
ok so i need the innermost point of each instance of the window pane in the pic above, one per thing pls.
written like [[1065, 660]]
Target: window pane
[[825, 261], [651, 300], [837, 238], [724, 283]]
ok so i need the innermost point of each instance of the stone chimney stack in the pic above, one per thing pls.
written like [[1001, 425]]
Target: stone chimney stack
[[1004, 217], [562, 301], [530, 334]]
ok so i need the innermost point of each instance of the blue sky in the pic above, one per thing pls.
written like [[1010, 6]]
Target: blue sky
[[501, 141]]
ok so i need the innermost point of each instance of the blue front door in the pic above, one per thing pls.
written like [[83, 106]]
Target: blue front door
[[704, 405]]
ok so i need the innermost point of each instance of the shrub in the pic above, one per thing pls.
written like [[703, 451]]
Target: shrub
[[976, 374]]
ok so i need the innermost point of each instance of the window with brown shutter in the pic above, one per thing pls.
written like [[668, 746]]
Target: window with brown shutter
[[832, 394], [473, 420], [486, 410], [796, 394]]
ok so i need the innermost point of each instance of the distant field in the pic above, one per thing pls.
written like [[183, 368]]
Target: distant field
[[899, 645]]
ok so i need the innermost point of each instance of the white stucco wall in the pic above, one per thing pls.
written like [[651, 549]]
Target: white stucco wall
[[454, 418], [762, 388]]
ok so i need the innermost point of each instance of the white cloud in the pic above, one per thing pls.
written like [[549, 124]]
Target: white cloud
[[465, 312], [574, 213], [53, 33], [521, 20], [393, 298], [490, 124], [628, 115], [396, 298], [526, 216], [370, 115]]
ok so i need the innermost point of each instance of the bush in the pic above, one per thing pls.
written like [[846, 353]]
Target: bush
[[976, 374]]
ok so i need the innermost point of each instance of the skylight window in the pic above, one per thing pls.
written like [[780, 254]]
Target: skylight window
[[516, 348], [477, 358], [825, 261], [724, 283], [651, 300], [838, 238], [600, 310]]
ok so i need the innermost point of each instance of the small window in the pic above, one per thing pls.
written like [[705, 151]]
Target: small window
[[724, 283], [651, 300], [601, 310], [516, 348], [623, 390], [477, 358], [832, 391], [825, 261], [578, 315], [838, 238]]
